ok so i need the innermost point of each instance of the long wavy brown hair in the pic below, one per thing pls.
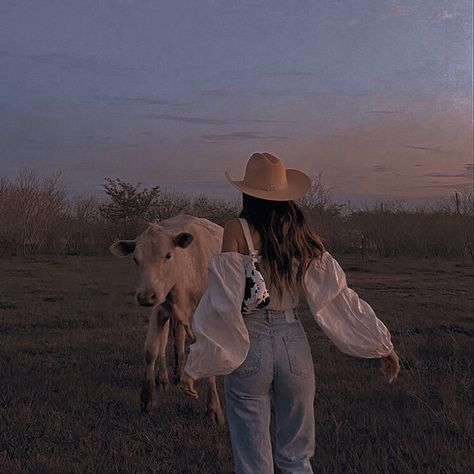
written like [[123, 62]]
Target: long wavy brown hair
[[285, 234]]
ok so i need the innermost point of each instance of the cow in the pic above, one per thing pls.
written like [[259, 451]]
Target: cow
[[171, 259]]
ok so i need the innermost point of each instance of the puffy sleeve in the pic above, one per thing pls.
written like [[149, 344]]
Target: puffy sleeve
[[222, 339], [346, 319]]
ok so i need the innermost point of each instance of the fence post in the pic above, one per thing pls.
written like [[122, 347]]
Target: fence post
[[469, 248], [458, 202]]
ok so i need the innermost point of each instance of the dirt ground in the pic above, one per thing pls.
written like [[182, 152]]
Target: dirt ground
[[71, 363]]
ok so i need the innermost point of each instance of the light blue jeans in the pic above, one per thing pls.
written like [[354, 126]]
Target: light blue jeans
[[277, 374]]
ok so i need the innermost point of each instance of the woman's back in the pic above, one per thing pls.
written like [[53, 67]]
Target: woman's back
[[287, 301]]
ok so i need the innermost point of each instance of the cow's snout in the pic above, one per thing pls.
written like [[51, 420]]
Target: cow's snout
[[146, 298]]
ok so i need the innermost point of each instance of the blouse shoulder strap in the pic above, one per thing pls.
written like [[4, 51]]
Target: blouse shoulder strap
[[248, 238]]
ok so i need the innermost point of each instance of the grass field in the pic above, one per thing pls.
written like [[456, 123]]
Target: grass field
[[71, 342]]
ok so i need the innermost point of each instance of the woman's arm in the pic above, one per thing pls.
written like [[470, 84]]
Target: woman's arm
[[390, 366], [221, 336], [348, 320]]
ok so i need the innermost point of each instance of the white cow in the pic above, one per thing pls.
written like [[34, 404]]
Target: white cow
[[171, 258]]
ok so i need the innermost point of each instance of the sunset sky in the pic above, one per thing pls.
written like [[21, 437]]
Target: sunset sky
[[376, 95]]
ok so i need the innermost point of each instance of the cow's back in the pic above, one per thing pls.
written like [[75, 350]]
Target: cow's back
[[207, 234]]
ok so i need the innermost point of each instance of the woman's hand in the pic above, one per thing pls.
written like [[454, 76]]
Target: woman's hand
[[187, 386], [390, 366]]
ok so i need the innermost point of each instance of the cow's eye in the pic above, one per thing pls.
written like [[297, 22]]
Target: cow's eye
[[168, 255]]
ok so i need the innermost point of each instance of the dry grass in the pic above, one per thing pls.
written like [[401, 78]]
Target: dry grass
[[71, 367], [36, 217]]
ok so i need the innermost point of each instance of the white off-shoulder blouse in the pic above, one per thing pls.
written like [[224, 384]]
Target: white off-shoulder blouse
[[222, 339]]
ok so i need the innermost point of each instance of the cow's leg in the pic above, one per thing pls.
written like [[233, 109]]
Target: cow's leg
[[179, 352], [158, 323], [163, 379], [214, 408], [181, 322], [183, 316]]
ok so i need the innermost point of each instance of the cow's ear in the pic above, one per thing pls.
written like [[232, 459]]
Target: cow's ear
[[183, 239], [122, 248]]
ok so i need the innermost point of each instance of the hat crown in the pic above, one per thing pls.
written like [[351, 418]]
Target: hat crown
[[266, 172], [266, 177]]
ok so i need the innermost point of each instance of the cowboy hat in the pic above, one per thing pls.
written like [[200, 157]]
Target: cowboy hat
[[266, 177]]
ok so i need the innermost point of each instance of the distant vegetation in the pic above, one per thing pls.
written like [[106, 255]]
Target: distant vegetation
[[38, 217]]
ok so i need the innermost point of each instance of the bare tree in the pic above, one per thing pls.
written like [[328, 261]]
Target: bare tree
[[29, 211], [319, 200], [127, 205], [459, 202]]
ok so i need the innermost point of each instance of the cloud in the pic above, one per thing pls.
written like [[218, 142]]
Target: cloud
[[228, 92], [397, 9], [427, 148], [443, 16], [261, 120], [205, 120], [334, 135], [382, 168], [382, 111], [104, 142], [69, 61], [187, 119], [222, 92], [245, 135], [467, 186], [141, 101], [284, 74], [463, 174], [453, 21], [74, 62], [26, 140]]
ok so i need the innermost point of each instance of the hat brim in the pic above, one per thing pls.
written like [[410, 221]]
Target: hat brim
[[299, 184]]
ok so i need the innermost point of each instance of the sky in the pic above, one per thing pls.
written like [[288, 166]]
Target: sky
[[374, 95]]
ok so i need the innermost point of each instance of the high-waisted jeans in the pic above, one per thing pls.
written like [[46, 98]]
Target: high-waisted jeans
[[277, 373]]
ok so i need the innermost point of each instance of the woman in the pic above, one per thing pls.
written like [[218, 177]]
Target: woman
[[263, 352]]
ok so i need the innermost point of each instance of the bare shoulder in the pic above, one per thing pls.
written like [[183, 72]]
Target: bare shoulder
[[234, 236], [232, 226], [230, 238]]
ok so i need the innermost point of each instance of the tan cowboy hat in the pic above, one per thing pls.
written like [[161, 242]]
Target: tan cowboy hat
[[267, 178]]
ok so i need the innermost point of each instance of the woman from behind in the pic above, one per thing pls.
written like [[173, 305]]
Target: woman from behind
[[276, 373]]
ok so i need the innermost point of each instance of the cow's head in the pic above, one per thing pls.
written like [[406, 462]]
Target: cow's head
[[157, 254]]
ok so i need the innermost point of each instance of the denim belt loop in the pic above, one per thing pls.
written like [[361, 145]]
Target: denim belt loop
[[271, 315], [290, 314]]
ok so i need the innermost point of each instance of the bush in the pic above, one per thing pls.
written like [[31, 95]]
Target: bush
[[31, 208], [37, 217], [128, 208]]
